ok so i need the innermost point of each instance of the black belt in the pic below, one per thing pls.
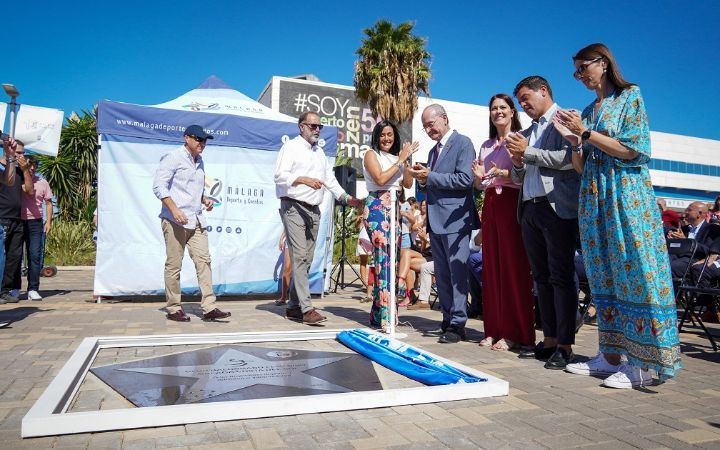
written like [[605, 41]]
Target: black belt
[[306, 205], [541, 199]]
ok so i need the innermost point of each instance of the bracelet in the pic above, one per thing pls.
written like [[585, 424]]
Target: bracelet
[[398, 165]]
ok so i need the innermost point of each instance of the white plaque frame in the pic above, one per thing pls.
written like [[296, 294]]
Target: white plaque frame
[[49, 416]]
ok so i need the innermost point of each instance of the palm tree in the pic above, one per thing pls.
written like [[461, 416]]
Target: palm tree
[[72, 173], [393, 69]]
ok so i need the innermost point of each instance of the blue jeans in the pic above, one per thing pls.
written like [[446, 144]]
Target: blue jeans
[[33, 231]]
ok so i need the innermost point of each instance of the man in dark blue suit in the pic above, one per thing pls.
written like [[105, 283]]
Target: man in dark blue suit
[[447, 181]]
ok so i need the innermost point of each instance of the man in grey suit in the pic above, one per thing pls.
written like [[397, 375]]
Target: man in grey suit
[[447, 181], [547, 212]]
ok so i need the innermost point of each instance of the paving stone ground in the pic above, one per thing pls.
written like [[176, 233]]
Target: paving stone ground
[[545, 409]]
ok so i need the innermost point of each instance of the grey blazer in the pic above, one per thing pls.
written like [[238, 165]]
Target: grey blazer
[[552, 154]]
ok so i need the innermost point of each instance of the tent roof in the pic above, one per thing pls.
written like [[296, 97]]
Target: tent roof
[[214, 96], [233, 118]]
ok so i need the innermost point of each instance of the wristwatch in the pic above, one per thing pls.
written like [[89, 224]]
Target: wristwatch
[[586, 135]]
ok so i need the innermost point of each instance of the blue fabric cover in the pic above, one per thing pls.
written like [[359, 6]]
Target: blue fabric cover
[[403, 359]]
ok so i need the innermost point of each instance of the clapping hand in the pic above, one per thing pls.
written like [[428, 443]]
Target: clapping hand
[[492, 173], [478, 169], [407, 150], [676, 234], [420, 173], [516, 144], [569, 119]]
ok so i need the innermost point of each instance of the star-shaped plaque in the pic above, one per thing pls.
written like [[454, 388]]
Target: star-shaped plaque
[[235, 372]]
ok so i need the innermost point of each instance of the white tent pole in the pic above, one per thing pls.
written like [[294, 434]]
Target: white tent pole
[[393, 256]]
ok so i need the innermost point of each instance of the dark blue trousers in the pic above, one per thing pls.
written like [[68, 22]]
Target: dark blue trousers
[[550, 243], [450, 254]]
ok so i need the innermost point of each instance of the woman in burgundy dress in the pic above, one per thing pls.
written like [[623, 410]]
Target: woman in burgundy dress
[[507, 285]]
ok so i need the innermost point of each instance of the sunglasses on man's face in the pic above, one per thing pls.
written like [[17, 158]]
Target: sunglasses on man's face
[[314, 126], [199, 139]]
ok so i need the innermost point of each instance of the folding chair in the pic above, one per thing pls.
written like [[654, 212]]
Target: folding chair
[[433, 294], [686, 292], [692, 294], [679, 247], [585, 303]]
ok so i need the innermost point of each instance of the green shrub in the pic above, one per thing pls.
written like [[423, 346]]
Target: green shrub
[[70, 244]]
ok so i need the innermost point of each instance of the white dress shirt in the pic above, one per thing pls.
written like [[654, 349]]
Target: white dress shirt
[[694, 230], [298, 158], [181, 178]]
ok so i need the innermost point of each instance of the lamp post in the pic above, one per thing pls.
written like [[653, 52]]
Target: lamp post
[[13, 92]]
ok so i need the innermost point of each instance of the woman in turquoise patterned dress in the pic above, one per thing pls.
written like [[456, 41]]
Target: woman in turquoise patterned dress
[[386, 168], [620, 229]]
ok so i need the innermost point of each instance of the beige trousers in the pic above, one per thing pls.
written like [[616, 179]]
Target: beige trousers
[[176, 239]]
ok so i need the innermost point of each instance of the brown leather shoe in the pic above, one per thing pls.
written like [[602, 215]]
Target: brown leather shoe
[[294, 313], [179, 316], [418, 305], [215, 314], [313, 317]]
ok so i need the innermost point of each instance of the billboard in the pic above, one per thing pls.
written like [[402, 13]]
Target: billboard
[[337, 107]]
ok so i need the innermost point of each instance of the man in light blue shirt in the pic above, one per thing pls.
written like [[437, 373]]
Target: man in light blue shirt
[[180, 185], [547, 212]]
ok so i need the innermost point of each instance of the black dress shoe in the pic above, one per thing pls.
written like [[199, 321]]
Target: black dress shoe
[[560, 359], [215, 314], [539, 352], [452, 336], [434, 332], [179, 316]]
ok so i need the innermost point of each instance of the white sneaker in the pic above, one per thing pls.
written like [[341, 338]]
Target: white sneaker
[[596, 366], [629, 377], [33, 295]]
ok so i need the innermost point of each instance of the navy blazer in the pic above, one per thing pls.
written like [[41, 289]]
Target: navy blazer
[[449, 188], [704, 238]]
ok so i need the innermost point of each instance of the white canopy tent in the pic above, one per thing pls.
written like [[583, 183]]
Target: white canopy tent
[[244, 226]]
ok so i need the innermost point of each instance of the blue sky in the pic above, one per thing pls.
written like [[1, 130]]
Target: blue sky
[[69, 55]]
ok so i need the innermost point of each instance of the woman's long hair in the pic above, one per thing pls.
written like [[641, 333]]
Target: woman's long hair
[[599, 50], [375, 143], [514, 125]]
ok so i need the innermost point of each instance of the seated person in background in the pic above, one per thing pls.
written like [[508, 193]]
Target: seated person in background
[[669, 217], [421, 263], [710, 279], [714, 213], [363, 251], [697, 228], [474, 263], [406, 281], [427, 271]]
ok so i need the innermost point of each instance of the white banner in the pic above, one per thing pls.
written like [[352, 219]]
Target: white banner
[[244, 226], [39, 128]]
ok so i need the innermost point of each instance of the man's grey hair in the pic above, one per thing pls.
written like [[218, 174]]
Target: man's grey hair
[[436, 109]]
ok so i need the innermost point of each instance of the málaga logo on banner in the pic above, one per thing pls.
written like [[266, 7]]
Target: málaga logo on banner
[[214, 188], [195, 106]]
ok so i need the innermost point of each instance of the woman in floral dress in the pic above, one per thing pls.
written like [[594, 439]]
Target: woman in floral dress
[[620, 229], [386, 169]]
